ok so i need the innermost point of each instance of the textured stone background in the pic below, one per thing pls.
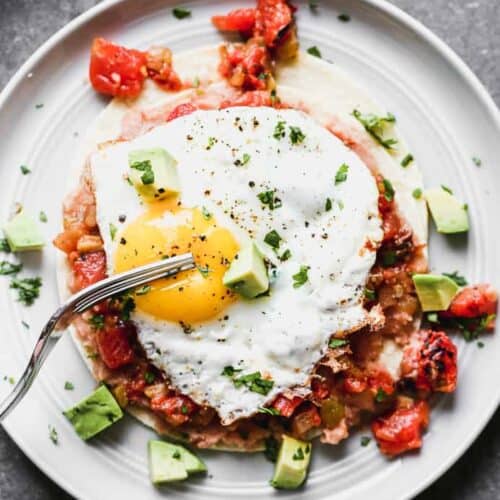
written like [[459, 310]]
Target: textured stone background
[[471, 28]]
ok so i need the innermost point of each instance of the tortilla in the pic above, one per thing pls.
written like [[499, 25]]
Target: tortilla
[[332, 100]]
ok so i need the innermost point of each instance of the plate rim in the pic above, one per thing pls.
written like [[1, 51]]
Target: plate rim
[[383, 6]]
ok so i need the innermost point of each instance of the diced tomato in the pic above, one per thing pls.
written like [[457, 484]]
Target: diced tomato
[[401, 430], [305, 420], [135, 388], [116, 70], [474, 301], [88, 268], [354, 384], [381, 380], [251, 98], [159, 68], [320, 388], [177, 409], [437, 363], [242, 20], [68, 239], [114, 345], [181, 110], [286, 406], [246, 66], [273, 17]]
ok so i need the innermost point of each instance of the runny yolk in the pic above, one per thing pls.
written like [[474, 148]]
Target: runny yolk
[[167, 229]]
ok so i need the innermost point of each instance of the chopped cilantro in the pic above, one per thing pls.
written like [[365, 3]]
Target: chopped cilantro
[[417, 193], [314, 51], [204, 271], [143, 290], [112, 230], [181, 12], [328, 205], [296, 135], [457, 278], [184, 410], [299, 454], [28, 289], [480, 344], [370, 294], [97, 321], [341, 175], [243, 161], [149, 377], [447, 189], [176, 454], [254, 382], [285, 255], [68, 386], [145, 166], [39, 105], [279, 130], [388, 190], [4, 246], [273, 239], [42, 216], [375, 126], [337, 343], [345, 18], [229, 371], [301, 277], [206, 214], [477, 161], [26, 325], [269, 411], [407, 160], [380, 396], [25, 170], [7, 268], [365, 440], [53, 436], [270, 199], [389, 258], [211, 142]]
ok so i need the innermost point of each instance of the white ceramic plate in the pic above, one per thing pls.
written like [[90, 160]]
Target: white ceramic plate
[[446, 116]]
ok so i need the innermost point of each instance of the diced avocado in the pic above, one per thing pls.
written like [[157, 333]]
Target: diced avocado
[[22, 233], [450, 216], [247, 273], [291, 467], [158, 450], [153, 172], [94, 413], [165, 464], [435, 291]]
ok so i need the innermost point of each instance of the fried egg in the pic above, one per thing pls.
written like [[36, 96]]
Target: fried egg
[[324, 209]]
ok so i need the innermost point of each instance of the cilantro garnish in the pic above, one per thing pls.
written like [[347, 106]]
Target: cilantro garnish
[[204, 271], [375, 126], [270, 199], [314, 51], [417, 193], [181, 12], [53, 436], [206, 214], [341, 175], [68, 386], [7, 268], [149, 377], [447, 189], [97, 321], [25, 170], [279, 130], [381, 395], [4, 246], [229, 371], [269, 411], [28, 289], [42, 216], [301, 277], [407, 160], [457, 278], [243, 161], [145, 166], [370, 294], [388, 190], [299, 454], [211, 142], [143, 290], [253, 381], [285, 255], [477, 161], [337, 343], [273, 239], [328, 205], [296, 135], [389, 258], [112, 230], [365, 440]]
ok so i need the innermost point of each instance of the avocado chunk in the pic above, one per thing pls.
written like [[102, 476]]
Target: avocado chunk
[[22, 234], [435, 291], [291, 467], [153, 172], [94, 413], [171, 462], [450, 216], [247, 273]]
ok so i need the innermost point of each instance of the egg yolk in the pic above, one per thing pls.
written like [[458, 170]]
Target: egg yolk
[[165, 230]]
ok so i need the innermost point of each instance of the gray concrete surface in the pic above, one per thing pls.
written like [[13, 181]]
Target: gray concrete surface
[[470, 27]]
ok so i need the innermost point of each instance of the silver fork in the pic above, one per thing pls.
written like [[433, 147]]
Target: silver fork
[[79, 303]]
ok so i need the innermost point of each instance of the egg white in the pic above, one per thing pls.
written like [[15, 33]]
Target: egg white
[[284, 334]]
